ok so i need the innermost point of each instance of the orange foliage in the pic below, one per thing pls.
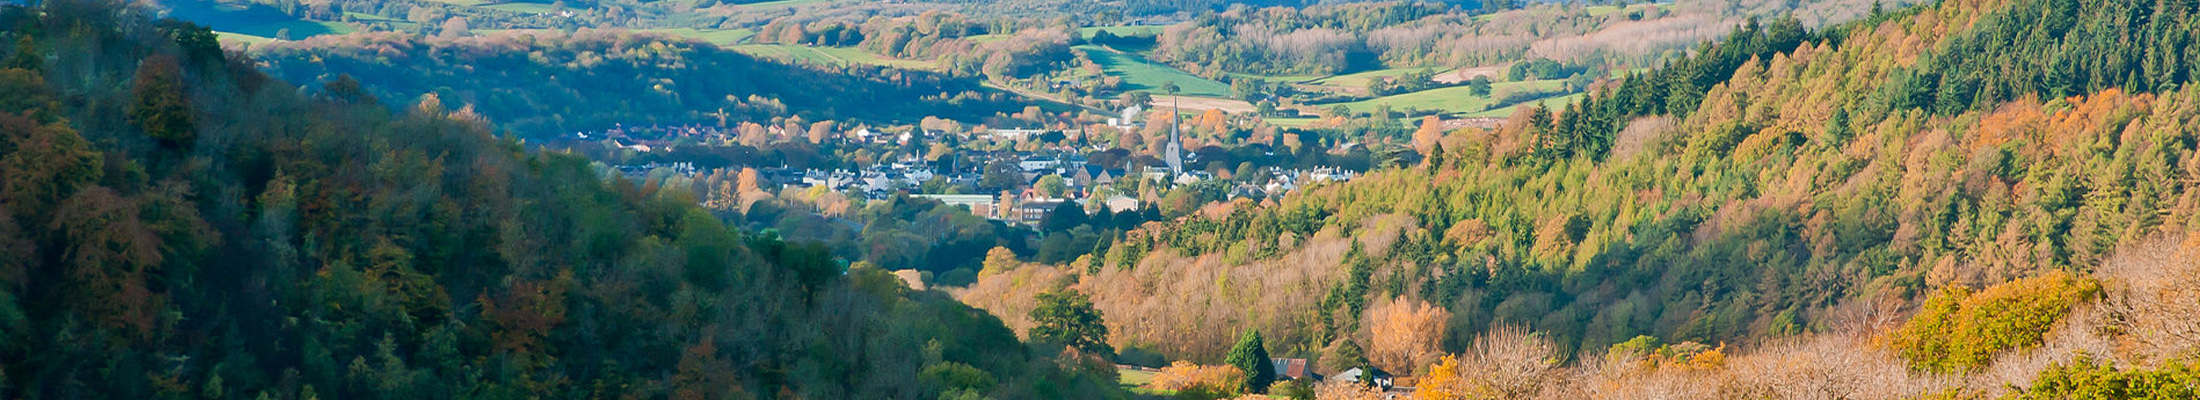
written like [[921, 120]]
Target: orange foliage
[[2013, 120], [1211, 121], [1186, 375], [1406, 334]]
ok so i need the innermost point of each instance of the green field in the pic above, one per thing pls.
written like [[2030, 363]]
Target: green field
[[1550, 103], [1135, 382], [1453, 100], [721, 37], [1140, 74], [1360, 79], [1280, 78], [1290, 122], [365, 17], [259, 21], [530, 8], [232, 37]]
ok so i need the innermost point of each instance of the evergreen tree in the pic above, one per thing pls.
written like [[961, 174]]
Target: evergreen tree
[[1251, 356]]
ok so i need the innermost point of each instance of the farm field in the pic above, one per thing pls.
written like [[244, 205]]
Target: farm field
[[1361, 79], [252, 20], [530, 8], [1139, 30], [233, 37], [1194, 104], [1135, 381], [1290, 122], [1548, 103], [1143, 75]]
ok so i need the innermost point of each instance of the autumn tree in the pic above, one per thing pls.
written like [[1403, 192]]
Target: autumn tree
[[159, 106], [112, 257], [998, 260], [1405, 334], [1066, 317]]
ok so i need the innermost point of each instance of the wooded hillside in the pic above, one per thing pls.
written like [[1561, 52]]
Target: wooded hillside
[[174, 224], [1781, 183]]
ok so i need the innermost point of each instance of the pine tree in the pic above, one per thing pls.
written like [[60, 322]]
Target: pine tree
[[1251, 356]]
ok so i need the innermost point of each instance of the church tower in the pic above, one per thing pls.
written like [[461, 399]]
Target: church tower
[[1176, 139]]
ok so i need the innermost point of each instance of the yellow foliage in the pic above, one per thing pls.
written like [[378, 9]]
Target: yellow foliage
[[1406, 334], [1183, 375], [1442, 382], [1961, 330]]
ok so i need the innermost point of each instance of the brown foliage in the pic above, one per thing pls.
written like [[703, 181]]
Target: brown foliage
[[2155, 293], [526, 312], [111, 254], [159, 106]]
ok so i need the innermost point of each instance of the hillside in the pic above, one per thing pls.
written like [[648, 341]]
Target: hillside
[[174, 224], [549, 82], [1782, 186]]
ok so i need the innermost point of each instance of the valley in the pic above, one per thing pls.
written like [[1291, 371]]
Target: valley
[[1100, 199]]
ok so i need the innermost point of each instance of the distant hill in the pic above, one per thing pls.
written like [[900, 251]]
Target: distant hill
[[540, 82]]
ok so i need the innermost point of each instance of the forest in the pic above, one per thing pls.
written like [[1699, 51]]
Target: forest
[[176, 224], [1966, 199]]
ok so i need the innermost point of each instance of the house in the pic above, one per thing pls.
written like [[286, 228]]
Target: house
[[1035, 210], [1291, 368], [1370, 375], [1013, 134], [1119, 204], [1035, 164]]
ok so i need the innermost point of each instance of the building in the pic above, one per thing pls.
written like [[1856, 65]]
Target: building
[[1370, 375], [979, 205], [1291, 368], [1176, 141], [1120, 204], [1031, 212]]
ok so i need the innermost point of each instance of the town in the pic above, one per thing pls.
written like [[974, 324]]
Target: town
[[1018, 176]]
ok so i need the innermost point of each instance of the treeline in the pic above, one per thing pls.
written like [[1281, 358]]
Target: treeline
[[176, 224], [1028, 47], [1589, 127], [2053, 49], [553, 82], [1321, 40], [1340, 38]]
